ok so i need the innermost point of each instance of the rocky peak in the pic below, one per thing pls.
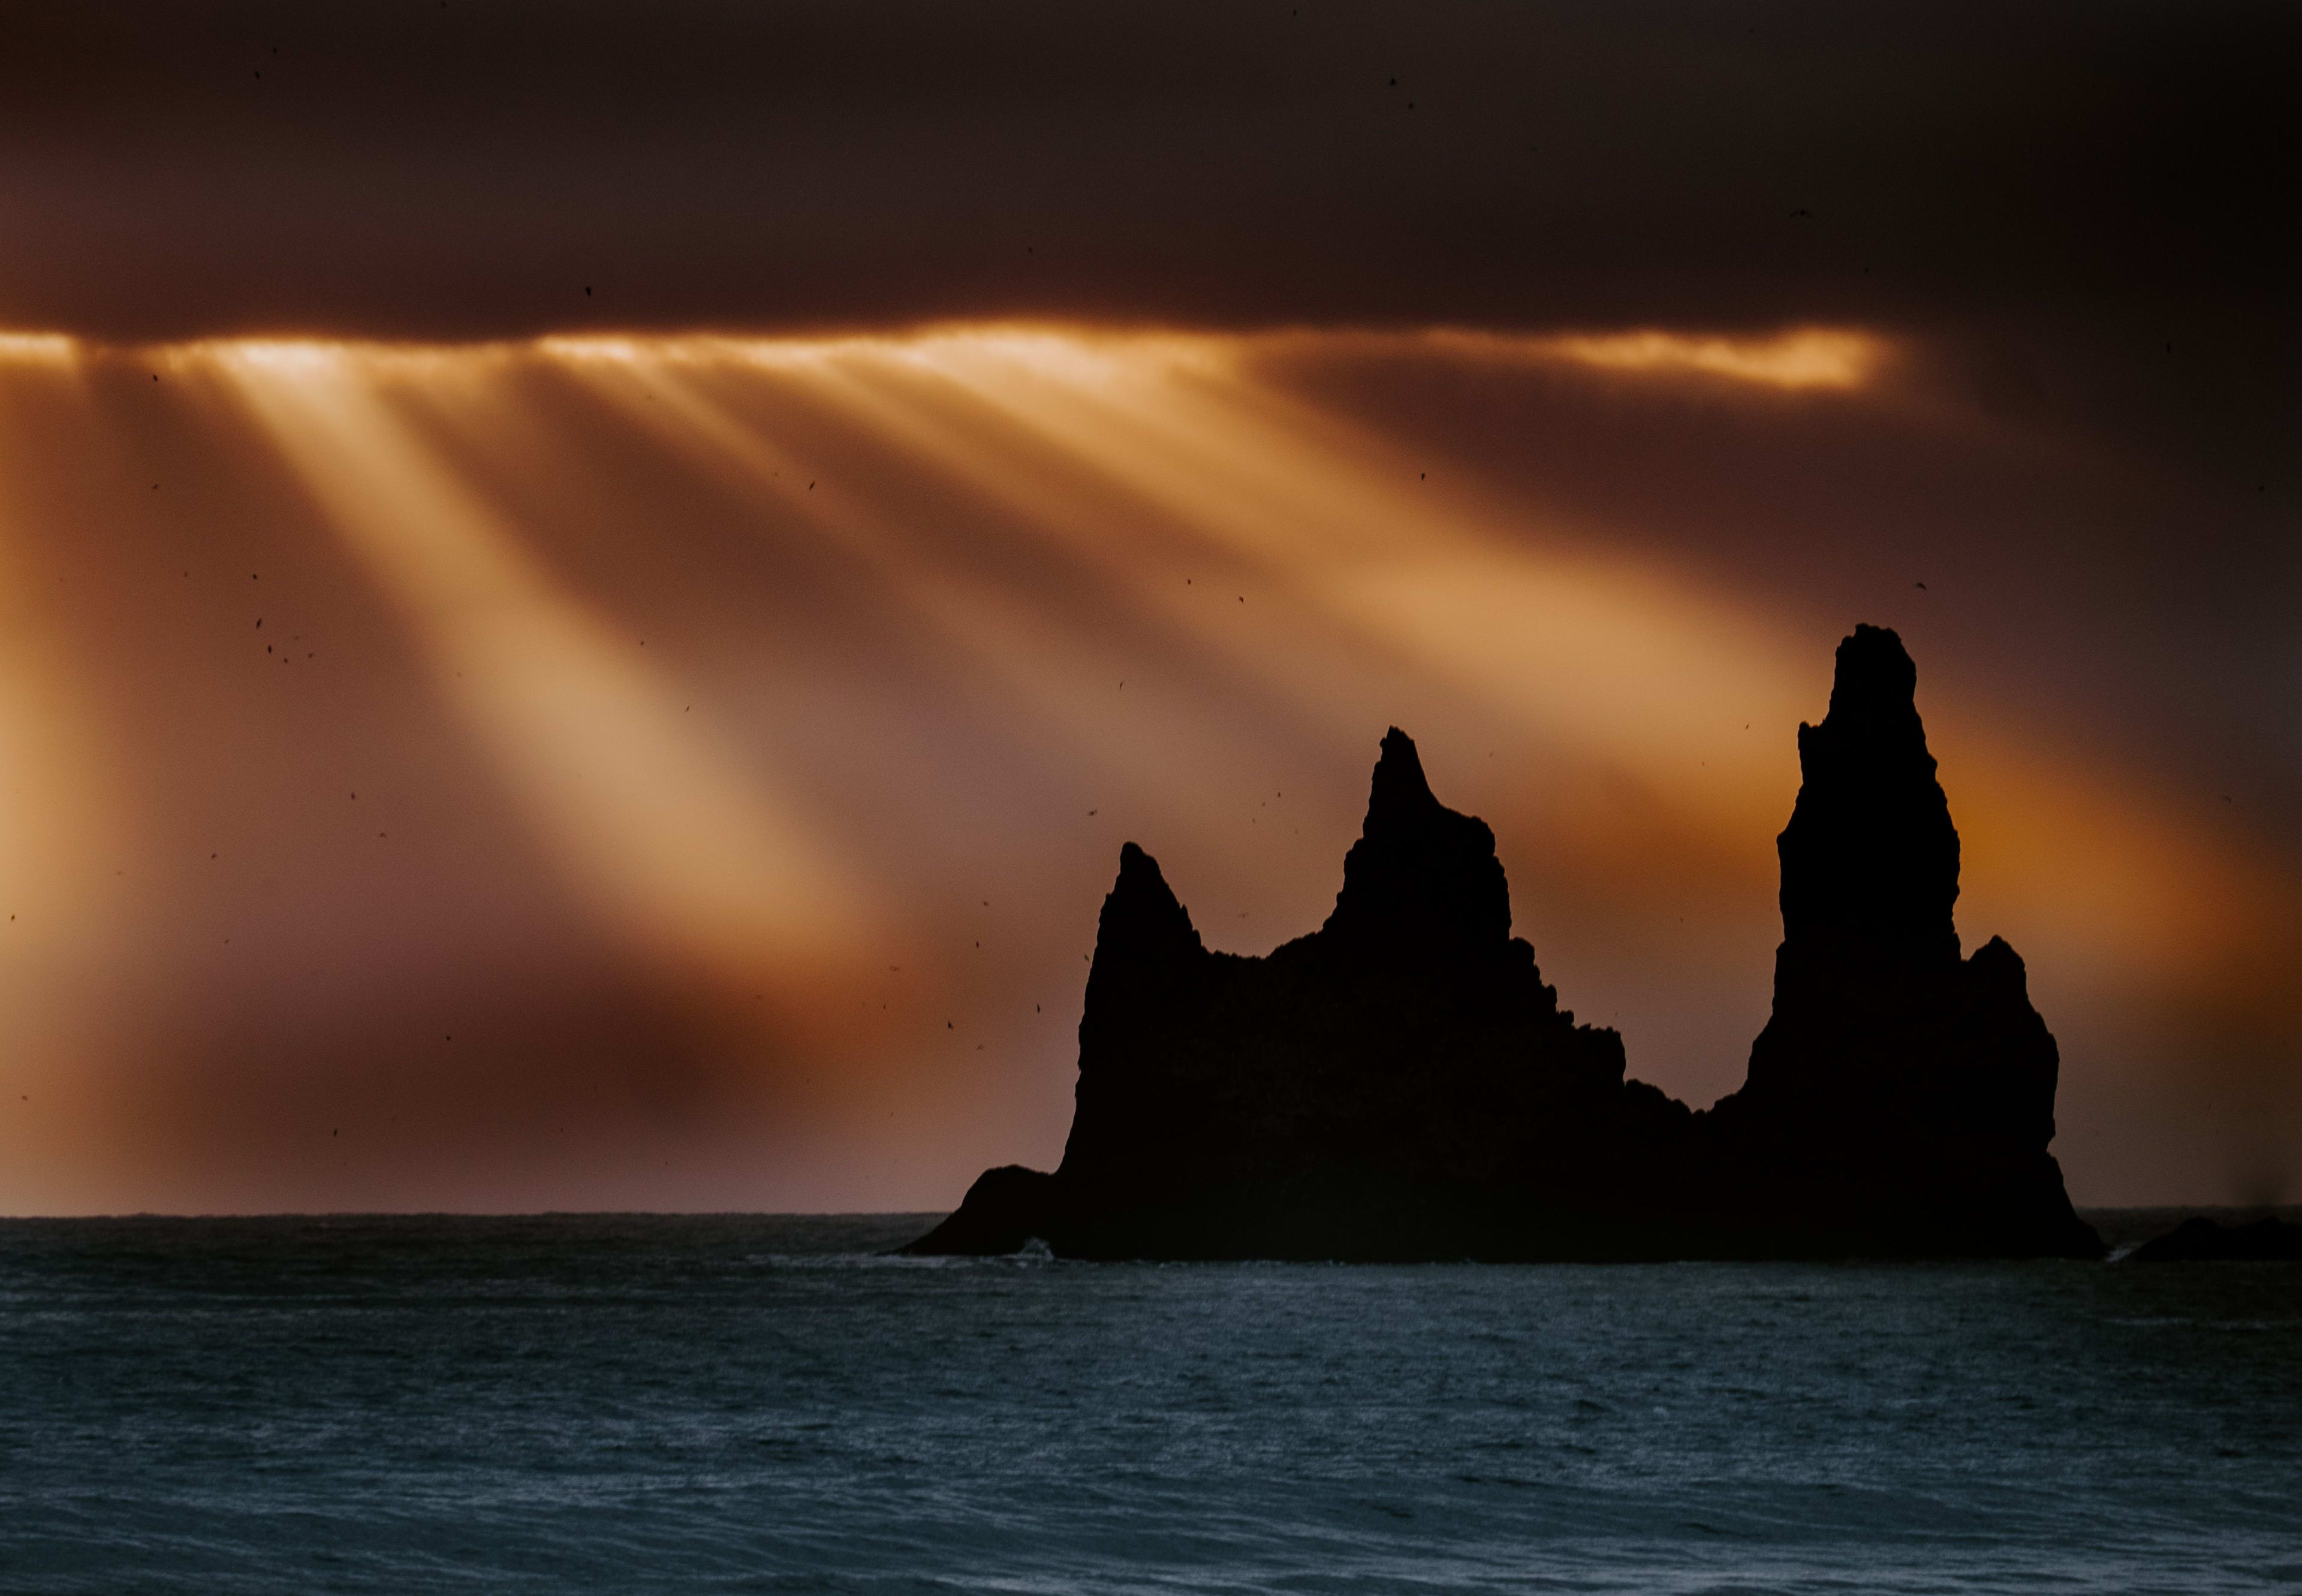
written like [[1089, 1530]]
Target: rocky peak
[[1143, 922], [1421, 875], [1401, 1084], [1869, 855], [1399, 795]]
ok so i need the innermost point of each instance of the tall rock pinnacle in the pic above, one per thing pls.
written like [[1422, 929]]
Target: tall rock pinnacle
[[1149, 973], [1869, 853], [1900, 1098]]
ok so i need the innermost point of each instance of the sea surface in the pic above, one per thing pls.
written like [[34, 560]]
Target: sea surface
[[577, 1403]]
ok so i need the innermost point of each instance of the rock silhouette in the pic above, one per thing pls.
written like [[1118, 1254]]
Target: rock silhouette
[[1900, 1098], [1401, 1084], [2200, 1239]]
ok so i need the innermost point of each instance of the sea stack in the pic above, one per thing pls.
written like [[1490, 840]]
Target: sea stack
[[1401, 1084], [1900, 1099]]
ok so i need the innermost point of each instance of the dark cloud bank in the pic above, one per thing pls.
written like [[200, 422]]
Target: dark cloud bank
[[2075, 187], [2089, 200]]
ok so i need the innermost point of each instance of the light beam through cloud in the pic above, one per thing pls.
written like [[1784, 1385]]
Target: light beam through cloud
[[1004, 594], [675, 846]]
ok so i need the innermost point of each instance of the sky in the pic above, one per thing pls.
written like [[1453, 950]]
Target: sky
[[588, 594]]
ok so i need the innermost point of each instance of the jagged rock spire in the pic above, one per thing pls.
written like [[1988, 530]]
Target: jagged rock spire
[[1401, 1085], [1145, 930], [1421, 875], [1148, 974], [1899, 1099], [1870, 853], [1399, 795]]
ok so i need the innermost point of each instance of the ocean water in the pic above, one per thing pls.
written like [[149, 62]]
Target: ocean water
[[758, 1403]]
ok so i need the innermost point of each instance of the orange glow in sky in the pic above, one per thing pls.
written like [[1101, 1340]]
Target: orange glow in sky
[[1824, 358], [768, 713]]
